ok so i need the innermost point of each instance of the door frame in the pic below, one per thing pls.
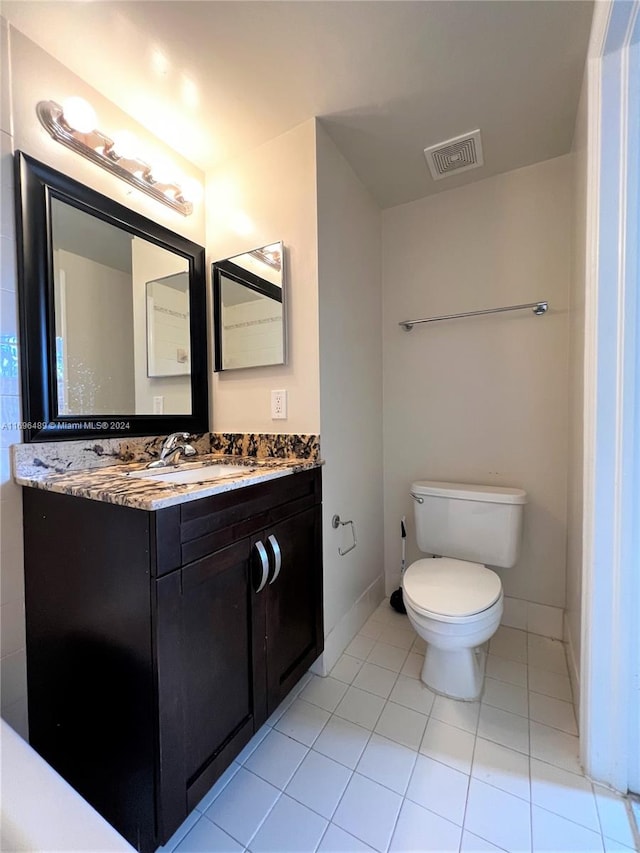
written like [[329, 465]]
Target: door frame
[[610, 634]]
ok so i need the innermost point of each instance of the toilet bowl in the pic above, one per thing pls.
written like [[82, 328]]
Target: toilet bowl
[[453, 601], [455, 606]]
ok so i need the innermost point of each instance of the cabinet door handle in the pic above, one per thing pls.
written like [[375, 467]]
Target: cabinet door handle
[[262, 553], [277, 553]]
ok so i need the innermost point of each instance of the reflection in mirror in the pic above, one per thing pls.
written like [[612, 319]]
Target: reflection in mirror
[[168, 326], [249, 309], [121, 319]]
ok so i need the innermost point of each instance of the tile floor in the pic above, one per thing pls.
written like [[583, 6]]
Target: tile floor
[[370, 759]]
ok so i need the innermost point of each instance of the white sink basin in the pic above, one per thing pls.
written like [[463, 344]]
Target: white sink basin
[[202, 474]]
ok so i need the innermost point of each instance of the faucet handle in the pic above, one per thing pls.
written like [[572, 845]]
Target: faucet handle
[[170, 440], [172, 447]]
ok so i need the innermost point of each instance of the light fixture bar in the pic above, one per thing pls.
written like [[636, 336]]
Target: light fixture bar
[[100, 148]]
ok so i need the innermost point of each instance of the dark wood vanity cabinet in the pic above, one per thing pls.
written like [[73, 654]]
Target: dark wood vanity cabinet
[[159, 642]]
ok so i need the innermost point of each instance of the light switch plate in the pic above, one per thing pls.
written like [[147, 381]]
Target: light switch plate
[[279, 405]]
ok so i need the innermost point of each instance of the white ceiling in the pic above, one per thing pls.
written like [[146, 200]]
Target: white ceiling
[[387, 78]]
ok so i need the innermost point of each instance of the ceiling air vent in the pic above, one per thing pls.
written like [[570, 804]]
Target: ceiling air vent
[[455, 155]]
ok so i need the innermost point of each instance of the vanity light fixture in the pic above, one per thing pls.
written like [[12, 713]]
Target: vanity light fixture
[[70, 126]]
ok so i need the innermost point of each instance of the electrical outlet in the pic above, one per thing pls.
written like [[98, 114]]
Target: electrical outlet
[[278, 405], [158, 405]]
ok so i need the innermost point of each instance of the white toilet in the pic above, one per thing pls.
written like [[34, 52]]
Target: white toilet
[[454, 602]]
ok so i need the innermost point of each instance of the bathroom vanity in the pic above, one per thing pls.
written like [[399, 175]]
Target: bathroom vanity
[[168, 613], [163, 628]]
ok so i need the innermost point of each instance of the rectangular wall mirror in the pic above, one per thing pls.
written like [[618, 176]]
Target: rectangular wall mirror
[[249, 309], [112, 315]]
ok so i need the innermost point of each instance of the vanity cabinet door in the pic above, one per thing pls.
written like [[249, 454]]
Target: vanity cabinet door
[[222, 661], [294, 601]]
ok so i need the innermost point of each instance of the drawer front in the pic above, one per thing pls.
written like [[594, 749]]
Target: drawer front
[[214, 523], [186, 532]]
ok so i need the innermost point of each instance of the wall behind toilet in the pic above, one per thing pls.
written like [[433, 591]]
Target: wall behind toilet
[[484, 399]]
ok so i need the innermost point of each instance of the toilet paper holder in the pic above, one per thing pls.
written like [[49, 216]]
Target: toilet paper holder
[[335, 523]]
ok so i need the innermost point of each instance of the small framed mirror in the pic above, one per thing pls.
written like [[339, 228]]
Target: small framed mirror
[[112, 315], [249, 309]]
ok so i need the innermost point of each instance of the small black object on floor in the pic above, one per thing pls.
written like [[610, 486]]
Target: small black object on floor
[[397, 602]]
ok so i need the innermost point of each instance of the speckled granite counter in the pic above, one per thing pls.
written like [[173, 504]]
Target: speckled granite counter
[[88, 470]]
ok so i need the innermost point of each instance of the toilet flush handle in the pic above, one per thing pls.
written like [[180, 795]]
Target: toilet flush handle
[[417, 498]]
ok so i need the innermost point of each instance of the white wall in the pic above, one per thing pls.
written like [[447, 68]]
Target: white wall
[[482, 399], [576, 387], [28, 75], [266, 195], [96, 326], [349, 286]]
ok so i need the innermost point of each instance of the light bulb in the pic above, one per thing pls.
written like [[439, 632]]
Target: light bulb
[[192, 189], [163, 173], [125, 144], [79, 115]]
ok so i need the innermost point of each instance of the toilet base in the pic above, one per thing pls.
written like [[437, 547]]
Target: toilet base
[[456, 673]]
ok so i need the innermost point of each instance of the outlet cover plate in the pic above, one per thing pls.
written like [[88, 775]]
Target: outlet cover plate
[[279, 405]]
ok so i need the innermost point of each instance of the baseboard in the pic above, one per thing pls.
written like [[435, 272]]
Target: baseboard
[[574, 672], [536, 618], [341, 634]]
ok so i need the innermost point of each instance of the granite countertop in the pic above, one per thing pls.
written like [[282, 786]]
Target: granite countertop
[[114, 483]]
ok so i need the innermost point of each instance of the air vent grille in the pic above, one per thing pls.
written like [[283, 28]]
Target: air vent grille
[[455, 155]]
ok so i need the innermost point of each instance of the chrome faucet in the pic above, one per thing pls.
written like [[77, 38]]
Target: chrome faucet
[[174, 446]]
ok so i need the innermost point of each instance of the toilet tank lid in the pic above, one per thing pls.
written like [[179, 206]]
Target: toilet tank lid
[[469, 492]]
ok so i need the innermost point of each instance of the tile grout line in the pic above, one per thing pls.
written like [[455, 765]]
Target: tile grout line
[[281, 791], [571, 820], [631, 817], [529, 761], [354, 770], [413, 769], [466, 799], [297, 690], [403, 797]]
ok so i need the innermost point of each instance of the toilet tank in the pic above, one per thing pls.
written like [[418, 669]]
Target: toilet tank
[[482, 524]]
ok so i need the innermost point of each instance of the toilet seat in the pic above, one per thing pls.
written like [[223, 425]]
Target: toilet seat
[[450, 590]]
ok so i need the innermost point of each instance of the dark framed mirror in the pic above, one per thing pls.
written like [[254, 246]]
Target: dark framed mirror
[[249, 309], [113, 338]]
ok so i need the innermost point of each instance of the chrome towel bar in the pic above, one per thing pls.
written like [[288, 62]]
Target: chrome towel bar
[[539, 308]]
